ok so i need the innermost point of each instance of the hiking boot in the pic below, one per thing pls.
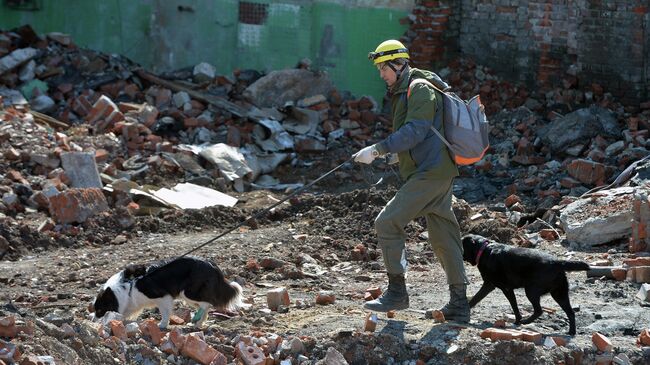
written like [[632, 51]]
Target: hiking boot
[[458, 308], [395, 297]]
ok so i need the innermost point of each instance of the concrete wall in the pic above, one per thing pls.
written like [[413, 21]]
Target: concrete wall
[[170, 34], [542, 42]]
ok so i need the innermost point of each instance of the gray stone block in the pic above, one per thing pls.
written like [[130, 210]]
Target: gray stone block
[[81, 169]]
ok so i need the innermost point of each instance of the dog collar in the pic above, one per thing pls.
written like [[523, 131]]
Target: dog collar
[[480, 251]]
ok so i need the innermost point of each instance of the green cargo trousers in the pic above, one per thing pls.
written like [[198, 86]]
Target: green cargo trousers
[[422, 195]]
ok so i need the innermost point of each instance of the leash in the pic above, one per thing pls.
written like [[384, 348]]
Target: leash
[[370, 177], [262, 212]]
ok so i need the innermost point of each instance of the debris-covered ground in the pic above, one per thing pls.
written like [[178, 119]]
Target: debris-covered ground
[[96, 152]]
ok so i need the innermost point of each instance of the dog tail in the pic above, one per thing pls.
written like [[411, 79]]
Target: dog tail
[[574, 265], [237, 301]]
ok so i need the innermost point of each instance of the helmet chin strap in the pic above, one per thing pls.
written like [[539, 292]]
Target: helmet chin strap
[[398, 73]]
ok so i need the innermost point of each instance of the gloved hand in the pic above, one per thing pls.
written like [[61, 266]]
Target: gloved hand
[[366, 155]]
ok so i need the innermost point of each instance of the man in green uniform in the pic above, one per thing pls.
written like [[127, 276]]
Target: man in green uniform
[[428, 171]]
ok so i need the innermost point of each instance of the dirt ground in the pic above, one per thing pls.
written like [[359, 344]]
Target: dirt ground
[[312, 236]]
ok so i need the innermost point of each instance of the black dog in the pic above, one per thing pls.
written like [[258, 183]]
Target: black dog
[[507, 268]]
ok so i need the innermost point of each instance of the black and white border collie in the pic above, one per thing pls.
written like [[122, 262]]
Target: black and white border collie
[[197, 282]]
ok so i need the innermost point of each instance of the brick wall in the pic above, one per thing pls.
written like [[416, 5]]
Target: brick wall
[[543, 43]]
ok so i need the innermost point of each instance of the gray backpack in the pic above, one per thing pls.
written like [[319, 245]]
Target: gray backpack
[[466, 126]]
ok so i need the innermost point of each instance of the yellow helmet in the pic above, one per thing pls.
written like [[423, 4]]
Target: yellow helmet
[[388, 50]]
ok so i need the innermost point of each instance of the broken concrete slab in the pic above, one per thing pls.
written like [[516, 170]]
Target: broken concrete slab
[[271, 136], [333, 357], [228, 159], [203, 72], [81, 168], [190, 196], [12, 97], [644, 293], [262, 163], [269, 182], [186, 162], [303, 121], [600, 218], [580, 126], [282, 86], [45, 160], [16, 58], [43, 104]]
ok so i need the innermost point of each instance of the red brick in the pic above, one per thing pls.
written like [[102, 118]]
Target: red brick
[[131, 90], [438, 316], [324, 298], [374, 292], [77, 205], [250, 354], [277, 297], [177, 338], [12, 154], [497, 334], [644, 338], [587, 172], [639, 261], [568, 182], [150, 328], [370, 324], [81, 106], [601, 342], [8, 327], [619, 274], [560, 341], [130, 131], [16, 176], [164, 147], [506, 9], [549, 234], [530, 336], [176, 320], [102, 108], [511, 200], [47, 225], [198, 350], [641, 274], [220, 359], [101, 155], [118, 330], [167, 346]]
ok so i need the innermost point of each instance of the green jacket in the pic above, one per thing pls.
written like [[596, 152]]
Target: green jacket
[[418, 148]]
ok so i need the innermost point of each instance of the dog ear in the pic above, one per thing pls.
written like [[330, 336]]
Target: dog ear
[[134, 271], [469, 248]]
